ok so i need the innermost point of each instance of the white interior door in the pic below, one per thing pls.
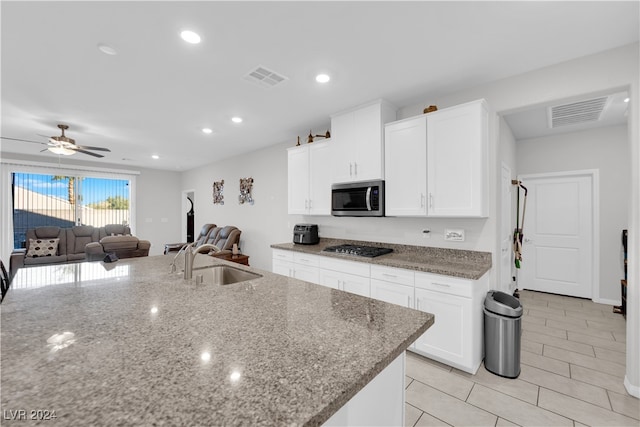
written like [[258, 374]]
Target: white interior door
[[506, 232], [557, 252]]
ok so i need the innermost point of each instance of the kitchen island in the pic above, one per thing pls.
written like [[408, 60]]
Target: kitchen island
[[130, 343]]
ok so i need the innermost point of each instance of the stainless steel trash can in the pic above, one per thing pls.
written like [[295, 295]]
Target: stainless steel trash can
[[502, 330]]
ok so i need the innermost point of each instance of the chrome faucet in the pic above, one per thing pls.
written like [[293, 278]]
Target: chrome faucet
[[190, 254]]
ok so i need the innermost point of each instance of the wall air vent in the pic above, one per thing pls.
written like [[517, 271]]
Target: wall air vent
[[265, 77], [577, 112]]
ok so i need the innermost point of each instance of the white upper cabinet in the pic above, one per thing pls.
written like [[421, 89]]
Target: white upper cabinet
[[358, 133], [457, 156], [309, 178], [405, 158], [436, 164]]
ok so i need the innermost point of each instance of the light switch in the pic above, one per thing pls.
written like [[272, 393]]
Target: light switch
[[454, 235]]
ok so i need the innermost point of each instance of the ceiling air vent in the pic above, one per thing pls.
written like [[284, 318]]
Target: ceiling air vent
[[265, 77], [577, 112]]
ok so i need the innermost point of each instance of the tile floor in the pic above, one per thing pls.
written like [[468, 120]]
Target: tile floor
[[572, 373]]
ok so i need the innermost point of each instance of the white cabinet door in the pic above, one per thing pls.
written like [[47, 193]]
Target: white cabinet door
[[321, 158], [449, 339], [298, 180], [457, 155], [359, 134], [306, 273], [406, 167], [393, 293], [284, 268], [356, 284], [330, 278], [343, 135]]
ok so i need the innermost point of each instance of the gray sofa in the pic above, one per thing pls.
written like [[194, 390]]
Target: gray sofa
[[55, 245], [116, 239]]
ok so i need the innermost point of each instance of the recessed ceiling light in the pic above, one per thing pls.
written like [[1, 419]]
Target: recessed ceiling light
[[105, 48], [236, 119], [155, 157], [206, 130], [190, 37], [626, 100], [323, 78]]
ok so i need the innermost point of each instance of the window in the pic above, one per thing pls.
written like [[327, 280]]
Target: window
[[67, 200]]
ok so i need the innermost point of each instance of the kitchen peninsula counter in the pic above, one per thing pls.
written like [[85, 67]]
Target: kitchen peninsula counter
[[449, 262], [129, 343]]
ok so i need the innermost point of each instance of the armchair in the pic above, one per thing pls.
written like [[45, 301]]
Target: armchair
[[201, 239]]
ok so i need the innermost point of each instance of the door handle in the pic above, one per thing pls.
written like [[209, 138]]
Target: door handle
[[528, 240]]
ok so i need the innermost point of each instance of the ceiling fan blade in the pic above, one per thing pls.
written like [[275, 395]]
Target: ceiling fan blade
[[84, 147], [87, 152], [23, 140]]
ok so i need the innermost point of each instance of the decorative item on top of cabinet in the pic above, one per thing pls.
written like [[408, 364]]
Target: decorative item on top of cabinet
[[246, 186], [218, 188], [430, 109], [311, 136]]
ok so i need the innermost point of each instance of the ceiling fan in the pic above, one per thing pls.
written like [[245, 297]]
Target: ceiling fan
[[63, 145]]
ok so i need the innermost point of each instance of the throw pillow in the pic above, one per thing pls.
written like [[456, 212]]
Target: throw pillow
[[42, 247]]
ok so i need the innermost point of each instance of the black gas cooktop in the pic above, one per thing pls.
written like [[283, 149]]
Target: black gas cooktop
[[365, 251]]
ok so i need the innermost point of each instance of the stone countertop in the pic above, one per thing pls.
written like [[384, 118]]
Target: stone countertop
[[448, 262], [132, 344]]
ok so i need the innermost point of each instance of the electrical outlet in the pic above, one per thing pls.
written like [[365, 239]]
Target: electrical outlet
[[454, 235]]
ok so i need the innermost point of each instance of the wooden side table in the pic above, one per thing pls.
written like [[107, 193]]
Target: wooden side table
[[240, 258]]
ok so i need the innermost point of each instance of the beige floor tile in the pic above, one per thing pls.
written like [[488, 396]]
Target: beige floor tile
[[531, 303], [504, 423], [625, 404], [586, 315], [546, 363], [430, 361], [514, 410], [560, 317], [513, 387], [559, 333], [610, 325], [454, 385], [581, 411], [558, 342], [598, 378], [530, 346], [598, 333], [620, 336], [411, 415], [427, 420], [566, 305], [579, 390], [407, 381], [597, 342], [610, 355], [534, 320], [546, 311], [600, 365], [446, 408]]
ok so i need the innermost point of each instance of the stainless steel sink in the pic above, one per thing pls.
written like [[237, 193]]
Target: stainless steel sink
[[223, 275]]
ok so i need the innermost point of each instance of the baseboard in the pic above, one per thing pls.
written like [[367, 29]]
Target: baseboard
[[633, 390], [607, 301]]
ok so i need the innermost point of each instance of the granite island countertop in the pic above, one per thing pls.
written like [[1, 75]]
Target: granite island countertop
[[449, 262], [129, 343]]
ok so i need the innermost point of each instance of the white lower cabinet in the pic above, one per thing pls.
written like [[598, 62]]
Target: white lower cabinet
[[456, 337]]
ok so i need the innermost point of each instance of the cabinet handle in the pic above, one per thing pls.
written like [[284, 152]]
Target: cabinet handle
[[306, 204], [430, 200], [409, 301], [389, 275], [417, 303], [441, 284], [421, 200], [350, 169], [310, 203], [355, 168]]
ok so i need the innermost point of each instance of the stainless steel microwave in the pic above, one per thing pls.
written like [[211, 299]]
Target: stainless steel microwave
[[364, 198]]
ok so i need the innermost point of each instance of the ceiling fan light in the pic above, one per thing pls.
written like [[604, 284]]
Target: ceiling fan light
[[62, 150]]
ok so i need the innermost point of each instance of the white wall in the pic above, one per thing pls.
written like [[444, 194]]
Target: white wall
[[263, 223], [605, 149]]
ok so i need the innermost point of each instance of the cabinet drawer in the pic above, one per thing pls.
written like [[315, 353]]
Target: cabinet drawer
[[306, 259], [390, 274], [282, 255], [351, 267], [446, 285]]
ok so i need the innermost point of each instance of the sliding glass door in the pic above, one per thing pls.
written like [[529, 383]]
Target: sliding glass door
[[64, 201]]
